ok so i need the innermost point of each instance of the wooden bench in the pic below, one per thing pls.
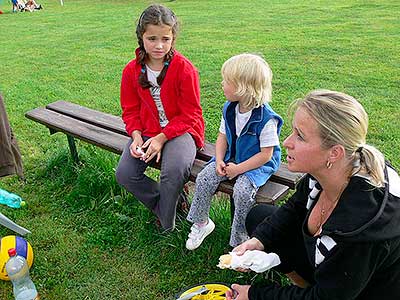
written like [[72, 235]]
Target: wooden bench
[[108, 132]]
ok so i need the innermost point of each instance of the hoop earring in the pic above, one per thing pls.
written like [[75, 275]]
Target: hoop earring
[[328, 164]]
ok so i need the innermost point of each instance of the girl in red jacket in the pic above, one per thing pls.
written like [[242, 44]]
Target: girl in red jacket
[[160, 100]]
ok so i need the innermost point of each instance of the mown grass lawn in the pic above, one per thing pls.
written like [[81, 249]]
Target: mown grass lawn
[[92, 240]]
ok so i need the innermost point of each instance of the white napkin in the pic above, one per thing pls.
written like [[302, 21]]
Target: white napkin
[[255, 260]]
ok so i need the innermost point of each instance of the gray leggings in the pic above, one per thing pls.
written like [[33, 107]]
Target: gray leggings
[[161, 198], [243, 195]]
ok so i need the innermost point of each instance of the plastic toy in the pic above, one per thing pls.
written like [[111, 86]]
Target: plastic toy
[[13, 226], [206, 291], [21, 245]]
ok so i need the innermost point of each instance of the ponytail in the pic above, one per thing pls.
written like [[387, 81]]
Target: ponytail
[[369, 160]]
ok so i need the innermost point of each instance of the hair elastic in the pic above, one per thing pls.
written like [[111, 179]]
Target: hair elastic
[[166, 63], [143, 70]]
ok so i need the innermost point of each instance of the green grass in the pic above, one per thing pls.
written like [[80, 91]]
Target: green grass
[[91, 239]]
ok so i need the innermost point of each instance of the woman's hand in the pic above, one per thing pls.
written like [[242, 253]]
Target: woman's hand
[[251, 244], [220, 168], [136, 144], [153, 147], [232, 170], [238, 292]]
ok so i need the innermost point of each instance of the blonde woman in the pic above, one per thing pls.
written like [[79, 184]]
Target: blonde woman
[[247, 147], [338, 236]]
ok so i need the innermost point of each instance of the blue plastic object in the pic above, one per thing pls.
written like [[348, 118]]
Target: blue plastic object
[[10, 199]]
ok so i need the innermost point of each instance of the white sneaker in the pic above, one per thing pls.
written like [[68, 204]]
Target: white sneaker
[[198, 234]]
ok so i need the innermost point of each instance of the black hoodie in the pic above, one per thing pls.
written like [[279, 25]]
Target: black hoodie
[[357, 254]]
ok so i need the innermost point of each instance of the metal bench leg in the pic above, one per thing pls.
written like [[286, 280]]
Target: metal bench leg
[[72, 148]]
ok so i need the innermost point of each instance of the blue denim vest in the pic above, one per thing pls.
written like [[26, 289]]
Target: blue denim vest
[[247, 144]]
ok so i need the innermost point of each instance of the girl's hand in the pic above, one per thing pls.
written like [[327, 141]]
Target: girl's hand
[[154, 146], [136, 145], [251, 244], [238, 292], [220, 168], [232, 170]]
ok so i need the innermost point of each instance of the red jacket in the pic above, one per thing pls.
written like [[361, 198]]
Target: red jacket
[[180, 96]]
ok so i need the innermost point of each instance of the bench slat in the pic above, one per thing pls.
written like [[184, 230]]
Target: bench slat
[[90, 133], [286, 177], [88, 115]]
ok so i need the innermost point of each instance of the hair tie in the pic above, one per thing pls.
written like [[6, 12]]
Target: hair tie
[[360, 149], [143, 70], [166, 63]]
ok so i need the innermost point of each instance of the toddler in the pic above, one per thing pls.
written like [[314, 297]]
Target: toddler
[[247, 147]]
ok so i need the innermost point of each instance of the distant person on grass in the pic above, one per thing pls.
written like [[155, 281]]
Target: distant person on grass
[[31, 6], [22, 5], [18, 5], [338, 236], [247, 147], [160, 100]]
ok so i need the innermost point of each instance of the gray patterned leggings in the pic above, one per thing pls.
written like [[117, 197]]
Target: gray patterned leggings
[[243, 195]]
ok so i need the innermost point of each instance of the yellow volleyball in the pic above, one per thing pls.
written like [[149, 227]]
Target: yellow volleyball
[[23, 249]]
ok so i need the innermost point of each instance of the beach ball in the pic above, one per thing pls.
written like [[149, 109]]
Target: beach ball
[[23, 249]]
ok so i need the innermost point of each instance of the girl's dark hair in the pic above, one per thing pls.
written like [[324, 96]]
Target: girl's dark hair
[[155, 15]]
